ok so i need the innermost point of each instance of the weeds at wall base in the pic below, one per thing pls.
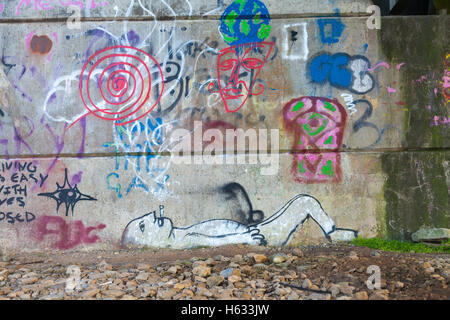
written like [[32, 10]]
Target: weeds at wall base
[[400, 246]]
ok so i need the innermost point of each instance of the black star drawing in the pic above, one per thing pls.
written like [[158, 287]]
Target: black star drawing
[[66, 194]]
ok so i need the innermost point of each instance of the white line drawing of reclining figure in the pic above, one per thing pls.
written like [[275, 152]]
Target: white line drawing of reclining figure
[[154, 230]]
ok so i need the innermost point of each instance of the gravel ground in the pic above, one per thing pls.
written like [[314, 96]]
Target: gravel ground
[[325, 272]]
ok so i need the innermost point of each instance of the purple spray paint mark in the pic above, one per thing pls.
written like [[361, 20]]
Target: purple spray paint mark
[[76, 179]]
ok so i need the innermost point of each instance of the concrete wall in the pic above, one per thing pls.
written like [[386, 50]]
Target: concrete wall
[[345, 130]]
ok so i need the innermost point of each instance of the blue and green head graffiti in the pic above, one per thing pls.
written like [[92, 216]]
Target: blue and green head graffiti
[[245, 21], [244, 26]]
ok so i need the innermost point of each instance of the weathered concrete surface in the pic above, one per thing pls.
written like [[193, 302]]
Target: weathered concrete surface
[[38, 9], [348, 126]]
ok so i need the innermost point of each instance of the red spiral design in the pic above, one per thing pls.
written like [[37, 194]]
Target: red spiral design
[[121, 84]]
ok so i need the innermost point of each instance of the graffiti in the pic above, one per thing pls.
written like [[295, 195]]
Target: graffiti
[[440, 121], [146, 140], [330, 30], [239, 87], [349, 101], [178, 80], [244, 26], [380, 64], [239, 201], [277, 230], [20, 141], [64, 235], [316, 124], [342, 71], [121, 84], [363, 123], [446, 78], [15, 69], [15, 179], [295, 42], [244, 22], [67, 195], [12, 218], [40, 5]]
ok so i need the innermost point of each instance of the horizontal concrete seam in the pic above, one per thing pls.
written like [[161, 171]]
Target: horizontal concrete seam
[[178, 18], [229, 152]]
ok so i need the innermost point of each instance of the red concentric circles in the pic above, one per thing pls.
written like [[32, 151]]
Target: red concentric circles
[[124, 85]]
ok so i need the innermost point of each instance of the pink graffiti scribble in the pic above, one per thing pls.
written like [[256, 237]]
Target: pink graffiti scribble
[[421, 79], [446, 82], [56, 41], [437, 120], [69, 234], [45, 5], [28, 39], [391, 90], [399, 66], [94, 5], [380, 64], [1, 7]]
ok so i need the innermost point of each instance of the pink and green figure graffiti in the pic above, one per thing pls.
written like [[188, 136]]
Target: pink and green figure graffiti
[[317, 125], [244, 26]]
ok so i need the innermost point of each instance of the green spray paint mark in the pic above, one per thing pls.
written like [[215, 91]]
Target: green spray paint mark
[[228, 39], [257, 18], [230, 20], [310, 130], [241, 3], [329, 140], [298, 106], [328, 169], [245, 28], [300, 140], [300, 167], [329, 106], [264, 31], [255, 7]]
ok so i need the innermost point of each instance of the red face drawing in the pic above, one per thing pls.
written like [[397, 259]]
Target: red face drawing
[[240, 66]]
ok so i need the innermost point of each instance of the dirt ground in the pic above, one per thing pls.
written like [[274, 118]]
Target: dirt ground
[[403, 275]]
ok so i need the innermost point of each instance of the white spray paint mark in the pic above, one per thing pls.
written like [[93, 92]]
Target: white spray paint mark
[[295, 41]]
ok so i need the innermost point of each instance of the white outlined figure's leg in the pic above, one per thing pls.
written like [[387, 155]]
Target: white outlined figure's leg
[[279, 228]]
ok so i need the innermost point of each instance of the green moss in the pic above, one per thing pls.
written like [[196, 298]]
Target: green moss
[[400, 246], [415, 190], [381, 217]]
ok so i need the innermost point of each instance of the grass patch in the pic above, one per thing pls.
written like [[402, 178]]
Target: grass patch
[[400, 246]]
